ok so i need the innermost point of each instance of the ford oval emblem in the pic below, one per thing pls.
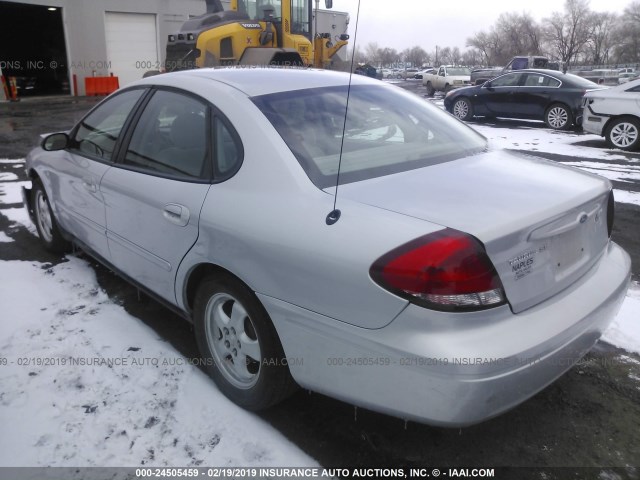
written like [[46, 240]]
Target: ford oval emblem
[[583, 218]]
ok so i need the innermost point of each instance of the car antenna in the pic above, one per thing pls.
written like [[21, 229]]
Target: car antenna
[[334, 215]]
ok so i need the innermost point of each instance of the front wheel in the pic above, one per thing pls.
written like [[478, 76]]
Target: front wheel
[[624, 133], [430, 90], [46, 223], [558, 117], [239, 344], [462, 109]]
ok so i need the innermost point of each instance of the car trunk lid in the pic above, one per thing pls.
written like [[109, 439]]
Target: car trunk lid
[[543, 224]]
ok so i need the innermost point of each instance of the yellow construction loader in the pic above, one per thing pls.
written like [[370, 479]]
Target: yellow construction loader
[[252, 32]]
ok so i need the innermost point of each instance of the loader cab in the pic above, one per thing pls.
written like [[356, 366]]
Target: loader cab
[[297, 15]]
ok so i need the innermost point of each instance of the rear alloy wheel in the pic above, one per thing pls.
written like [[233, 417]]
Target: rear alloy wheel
[[623, 133], [46, 223], [463, 109], [239, 344], [558, 117]]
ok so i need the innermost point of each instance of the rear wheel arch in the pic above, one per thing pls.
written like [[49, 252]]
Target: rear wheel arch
[[200, 272]]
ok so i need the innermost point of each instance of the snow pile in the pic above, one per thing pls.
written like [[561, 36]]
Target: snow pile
[[128, 399], [624, 332]]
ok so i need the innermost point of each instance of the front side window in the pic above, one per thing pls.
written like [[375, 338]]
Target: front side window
[[98, 132], [300, 17], [170, 137], [386, 131], [509, 80]]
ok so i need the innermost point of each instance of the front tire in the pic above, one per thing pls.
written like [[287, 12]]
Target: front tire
[[239, 344], [558, 117], [45, 221], [623, 133], [462, 109], [430, 90]]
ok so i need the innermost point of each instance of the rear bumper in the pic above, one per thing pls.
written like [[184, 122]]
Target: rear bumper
[[593, 122], [453, 369]]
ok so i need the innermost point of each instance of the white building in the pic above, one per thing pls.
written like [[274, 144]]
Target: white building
[[51, 46]]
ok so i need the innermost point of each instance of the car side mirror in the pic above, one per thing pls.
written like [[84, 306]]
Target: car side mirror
[[328, 4], [55, 141]]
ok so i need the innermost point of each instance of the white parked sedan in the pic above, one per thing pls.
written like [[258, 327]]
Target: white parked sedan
[[614, 113], [388, 259]]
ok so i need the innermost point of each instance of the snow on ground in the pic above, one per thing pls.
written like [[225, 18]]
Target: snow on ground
[[624, 332], [4, 238], [19, 216], [11, 193], [135, 401], [7, 177]]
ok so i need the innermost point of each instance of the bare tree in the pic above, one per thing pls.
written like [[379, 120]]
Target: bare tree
[[389, 56], [601, 37], [568, 32], [372, 53], [513, 34], [417, 56], [627, 35], [472, 57]]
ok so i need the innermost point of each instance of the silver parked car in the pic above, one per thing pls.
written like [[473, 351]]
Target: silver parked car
[[388, 259]]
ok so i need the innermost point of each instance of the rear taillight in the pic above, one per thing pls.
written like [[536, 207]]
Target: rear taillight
[[611, 213], [446, 270]]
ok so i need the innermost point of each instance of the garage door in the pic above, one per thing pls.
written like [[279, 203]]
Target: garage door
[[132, 44]]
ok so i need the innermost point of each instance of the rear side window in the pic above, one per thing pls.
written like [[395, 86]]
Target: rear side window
[[538, 80], [98, 132]]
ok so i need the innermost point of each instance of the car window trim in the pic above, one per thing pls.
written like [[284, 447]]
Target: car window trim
[[116, 149]]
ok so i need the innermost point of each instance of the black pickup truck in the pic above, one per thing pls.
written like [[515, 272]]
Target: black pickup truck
[[481, 75]]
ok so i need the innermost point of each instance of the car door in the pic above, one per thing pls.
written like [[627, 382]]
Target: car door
[[498, 95], [533, 98], [154, 194], [93, 142]]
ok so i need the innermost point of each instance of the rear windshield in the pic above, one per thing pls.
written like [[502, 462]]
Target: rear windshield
[[459, 71], [386, 131]]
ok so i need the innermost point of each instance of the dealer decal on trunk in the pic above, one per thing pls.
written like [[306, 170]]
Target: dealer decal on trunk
[[523, 264]]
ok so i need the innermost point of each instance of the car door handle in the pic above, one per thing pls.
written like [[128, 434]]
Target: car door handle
[[89, 185], [175, 213]]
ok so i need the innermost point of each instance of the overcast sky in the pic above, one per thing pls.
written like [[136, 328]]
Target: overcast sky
[[404, 23]]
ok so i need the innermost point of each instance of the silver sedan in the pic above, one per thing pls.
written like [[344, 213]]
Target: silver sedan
[[351, 239]]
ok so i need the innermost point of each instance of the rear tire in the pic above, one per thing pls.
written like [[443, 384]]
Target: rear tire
[[45, 221], [462, 109], [623, 133], [558, 117], [239, 344]]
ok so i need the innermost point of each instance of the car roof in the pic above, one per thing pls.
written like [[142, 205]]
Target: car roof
[[255, 81]]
